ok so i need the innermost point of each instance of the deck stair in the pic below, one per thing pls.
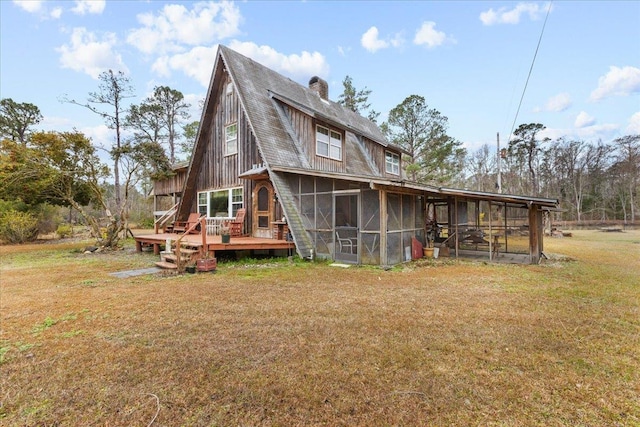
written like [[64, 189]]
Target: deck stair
[[189, 254]]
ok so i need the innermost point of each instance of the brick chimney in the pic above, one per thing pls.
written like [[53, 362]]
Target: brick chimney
[[320, 87]]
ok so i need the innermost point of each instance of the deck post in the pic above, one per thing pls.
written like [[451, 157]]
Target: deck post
[[203, 234]]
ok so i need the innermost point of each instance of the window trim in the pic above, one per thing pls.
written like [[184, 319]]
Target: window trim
[[228, 152], [238, 203], [392, 167], [330, 143]]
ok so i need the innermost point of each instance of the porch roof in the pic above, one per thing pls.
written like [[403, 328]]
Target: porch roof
[[415, 187]]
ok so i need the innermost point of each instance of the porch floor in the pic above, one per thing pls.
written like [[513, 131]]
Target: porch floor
[[213, 243]]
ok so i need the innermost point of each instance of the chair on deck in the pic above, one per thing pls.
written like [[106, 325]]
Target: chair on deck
[[182, 226], [235, 225]]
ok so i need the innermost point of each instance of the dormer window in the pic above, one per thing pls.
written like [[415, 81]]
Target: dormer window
[[231, 139], [328, 143], [392, 163]]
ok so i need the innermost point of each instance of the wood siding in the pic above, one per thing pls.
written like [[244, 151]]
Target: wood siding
[[305, 129], [220, 171], [171, 185], [378, 154]]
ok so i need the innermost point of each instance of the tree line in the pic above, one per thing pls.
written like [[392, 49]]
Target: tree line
[[592, 180], [65, 169]]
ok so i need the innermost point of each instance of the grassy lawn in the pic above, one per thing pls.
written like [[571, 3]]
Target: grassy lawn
[[285, 344]]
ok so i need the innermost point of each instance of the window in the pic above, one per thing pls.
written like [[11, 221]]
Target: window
[[392, 163], [328, 143], [236, 200], [202, 203], [220, 203], [231, 139]]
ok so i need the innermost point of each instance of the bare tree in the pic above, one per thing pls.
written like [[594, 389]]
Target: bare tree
[[480, 165], [526, 146], [573, 169], [108, 103], [627, 165]]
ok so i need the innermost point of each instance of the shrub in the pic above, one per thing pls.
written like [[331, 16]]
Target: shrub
[[49, 217], [64, 230], [146, 223], [18, 227]]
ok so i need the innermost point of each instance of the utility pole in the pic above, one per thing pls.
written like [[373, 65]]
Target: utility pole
[[499, 156]]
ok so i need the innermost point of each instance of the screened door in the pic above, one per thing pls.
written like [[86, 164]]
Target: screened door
[[263, 207], [346, 226]]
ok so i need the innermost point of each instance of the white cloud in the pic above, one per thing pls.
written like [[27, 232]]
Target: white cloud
[[605, 132], [371, 42], [85, 53], [583, 120], [89, 6], [634, 124], [428, 35], [56, 13], [306, 64], [397, 40], [175, 27], [343, 50], [39, 8], [512, 16], [558, 103], [617, 82], [31, 6], [195, 101], [53, 123], [196, 63]]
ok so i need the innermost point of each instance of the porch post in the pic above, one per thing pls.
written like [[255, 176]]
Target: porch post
[[491, 239], [535, 222], [383, 227]]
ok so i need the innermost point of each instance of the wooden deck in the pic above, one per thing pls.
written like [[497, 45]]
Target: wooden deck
[[213, 243]]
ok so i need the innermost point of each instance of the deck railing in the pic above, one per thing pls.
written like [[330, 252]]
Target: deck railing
[[214, 225], [164, 218]]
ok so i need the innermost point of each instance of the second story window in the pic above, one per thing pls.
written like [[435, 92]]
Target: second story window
[[392, 163], [328, 143], [231, 139]]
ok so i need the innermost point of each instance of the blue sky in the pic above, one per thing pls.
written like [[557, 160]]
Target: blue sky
[[469, 59]]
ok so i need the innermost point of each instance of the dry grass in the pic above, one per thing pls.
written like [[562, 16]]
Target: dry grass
[[428, 343]]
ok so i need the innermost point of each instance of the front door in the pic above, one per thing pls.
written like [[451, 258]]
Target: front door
[[346, 226], [263, 209]]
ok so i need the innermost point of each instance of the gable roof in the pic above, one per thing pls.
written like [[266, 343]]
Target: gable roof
[[261, 89]]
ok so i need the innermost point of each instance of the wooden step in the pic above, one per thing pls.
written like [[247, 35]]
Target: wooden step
[[172, 258], [168, 265], [186, 251]]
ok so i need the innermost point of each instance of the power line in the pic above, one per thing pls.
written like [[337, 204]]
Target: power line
[[535, 55]]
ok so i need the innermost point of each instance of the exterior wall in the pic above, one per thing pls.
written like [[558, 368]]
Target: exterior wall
[[170, 185], [217, 170], [385, 226], [377, 154], [405, 219], [305, 128]]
